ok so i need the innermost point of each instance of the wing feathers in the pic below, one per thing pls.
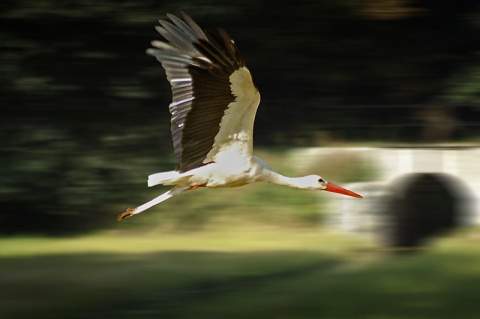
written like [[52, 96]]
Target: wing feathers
[[181, 39], [193, 26], [232, 48], [184, 27], [198, 66]]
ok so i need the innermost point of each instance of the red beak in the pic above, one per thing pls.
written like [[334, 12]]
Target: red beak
[[337, 189]]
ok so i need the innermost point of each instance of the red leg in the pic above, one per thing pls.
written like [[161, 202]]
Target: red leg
[[195, 187]]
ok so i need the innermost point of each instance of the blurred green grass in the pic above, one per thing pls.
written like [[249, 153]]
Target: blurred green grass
[[437, 283], [236, 273], [55, 278]]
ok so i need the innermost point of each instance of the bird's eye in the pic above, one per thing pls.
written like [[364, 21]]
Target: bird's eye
[[321, 180]]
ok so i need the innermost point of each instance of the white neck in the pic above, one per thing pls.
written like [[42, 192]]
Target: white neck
[[273, 177]]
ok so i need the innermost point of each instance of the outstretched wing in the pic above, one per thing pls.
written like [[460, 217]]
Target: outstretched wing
[[214, 100]]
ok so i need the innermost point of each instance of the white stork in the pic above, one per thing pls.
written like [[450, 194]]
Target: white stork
[[213, 109]]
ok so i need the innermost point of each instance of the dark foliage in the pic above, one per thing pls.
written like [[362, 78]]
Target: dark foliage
[[84, 110]]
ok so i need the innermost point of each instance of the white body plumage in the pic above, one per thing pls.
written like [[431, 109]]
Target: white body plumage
[[213, 110]]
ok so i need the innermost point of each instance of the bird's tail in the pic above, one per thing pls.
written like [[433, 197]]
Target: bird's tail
[[165, 178], [157, 200]]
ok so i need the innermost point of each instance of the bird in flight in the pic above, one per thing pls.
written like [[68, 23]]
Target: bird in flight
[[214, 102]]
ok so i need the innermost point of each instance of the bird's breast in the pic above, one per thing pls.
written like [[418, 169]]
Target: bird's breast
[[229, 172]]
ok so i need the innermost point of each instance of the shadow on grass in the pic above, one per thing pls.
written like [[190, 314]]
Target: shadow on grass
[[112, 285], [420, 286]]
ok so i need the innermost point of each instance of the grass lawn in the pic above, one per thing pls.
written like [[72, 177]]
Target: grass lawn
[[248, 273]]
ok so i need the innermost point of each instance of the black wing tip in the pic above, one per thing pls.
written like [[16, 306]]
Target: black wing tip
[[185, 16]]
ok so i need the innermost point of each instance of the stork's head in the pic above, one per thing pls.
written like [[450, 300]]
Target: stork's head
[[318, 183]]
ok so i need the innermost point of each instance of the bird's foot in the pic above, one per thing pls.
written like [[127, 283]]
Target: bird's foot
[[127, 213]]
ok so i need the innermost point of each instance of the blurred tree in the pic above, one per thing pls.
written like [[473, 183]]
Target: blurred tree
[[83, 109], [385, 9]]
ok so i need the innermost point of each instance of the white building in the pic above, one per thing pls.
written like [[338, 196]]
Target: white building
[[392, 202]]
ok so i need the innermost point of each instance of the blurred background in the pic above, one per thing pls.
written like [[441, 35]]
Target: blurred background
[[381, 96]]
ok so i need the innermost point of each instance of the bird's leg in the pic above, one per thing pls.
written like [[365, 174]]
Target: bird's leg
[[157, 200], [191, 188]]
